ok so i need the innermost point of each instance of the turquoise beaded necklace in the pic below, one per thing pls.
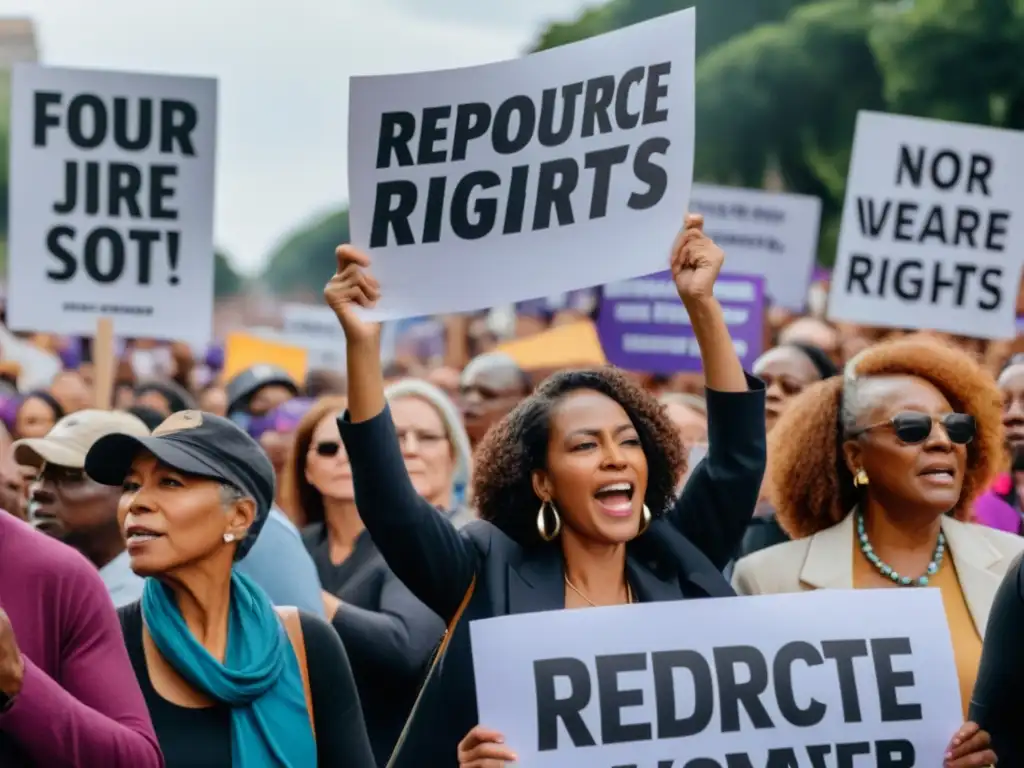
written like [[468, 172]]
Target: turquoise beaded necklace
[[887, 570]]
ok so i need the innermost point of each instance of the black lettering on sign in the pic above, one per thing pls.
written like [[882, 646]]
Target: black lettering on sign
[[131, 200], [471, 204], [957, 210], [552, 710], [911, 281], [739, 683]]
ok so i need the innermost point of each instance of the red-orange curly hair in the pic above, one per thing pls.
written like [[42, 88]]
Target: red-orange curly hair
[[810, 485]]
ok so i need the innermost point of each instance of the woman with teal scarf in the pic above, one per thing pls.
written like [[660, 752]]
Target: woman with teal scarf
[[230, 681]]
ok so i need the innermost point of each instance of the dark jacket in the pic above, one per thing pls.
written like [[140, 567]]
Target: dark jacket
[[388, 634], [763, 531], [996, 704], [438, 562]]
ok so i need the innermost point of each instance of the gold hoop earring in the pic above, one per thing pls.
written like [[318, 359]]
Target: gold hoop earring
[[645, 521], [542, 524], [860, 479]]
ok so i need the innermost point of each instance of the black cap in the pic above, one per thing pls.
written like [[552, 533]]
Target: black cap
[[247, 383], [195, 443]]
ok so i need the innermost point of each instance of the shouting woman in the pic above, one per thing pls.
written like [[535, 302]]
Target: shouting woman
[[575, 488]]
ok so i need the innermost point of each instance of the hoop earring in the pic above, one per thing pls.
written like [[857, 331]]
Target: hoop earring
[[645, 521], [860, 479], [542, 525]]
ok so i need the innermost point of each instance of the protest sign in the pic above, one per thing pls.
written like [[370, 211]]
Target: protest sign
[[560, 170], [111, 208], [644, 326], [824, 678], [315, 329], [772, 234], [244, 350], [572, 345], [933, 227]]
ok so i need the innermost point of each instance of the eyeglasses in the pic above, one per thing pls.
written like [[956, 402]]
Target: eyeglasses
[[328, 448], [914, 427]]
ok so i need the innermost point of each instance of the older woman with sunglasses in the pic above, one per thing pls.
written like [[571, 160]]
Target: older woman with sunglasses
[[873, 473]]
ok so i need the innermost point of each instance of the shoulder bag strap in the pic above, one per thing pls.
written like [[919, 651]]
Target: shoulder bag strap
[[293, 625], [438, 654]]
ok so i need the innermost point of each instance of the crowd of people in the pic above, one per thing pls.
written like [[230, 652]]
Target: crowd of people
[[281, 564]]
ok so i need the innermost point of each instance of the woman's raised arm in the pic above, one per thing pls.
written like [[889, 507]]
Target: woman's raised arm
[[718, 501], [422, 548]]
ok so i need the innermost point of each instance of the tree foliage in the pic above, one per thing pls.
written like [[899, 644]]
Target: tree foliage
[[302, 260], [226, 281], [780, 82]]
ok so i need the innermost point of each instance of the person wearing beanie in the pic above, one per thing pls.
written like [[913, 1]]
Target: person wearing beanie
[[166, 397]]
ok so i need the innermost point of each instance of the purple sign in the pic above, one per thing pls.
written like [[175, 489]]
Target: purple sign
[[644, 327]]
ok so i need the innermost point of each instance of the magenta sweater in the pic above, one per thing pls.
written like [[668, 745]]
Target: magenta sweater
[[80, 704]]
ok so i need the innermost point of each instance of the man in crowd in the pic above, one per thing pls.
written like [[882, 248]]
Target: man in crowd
[[492, 385], [256, 391], [68, 694], [67, 504], [812, 331]]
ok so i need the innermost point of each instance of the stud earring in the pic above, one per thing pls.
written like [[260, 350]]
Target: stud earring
[[228, 538], [860, 479]]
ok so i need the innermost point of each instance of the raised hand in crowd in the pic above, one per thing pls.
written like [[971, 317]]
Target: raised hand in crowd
[[12, 665], [696, 262], [353, 286]]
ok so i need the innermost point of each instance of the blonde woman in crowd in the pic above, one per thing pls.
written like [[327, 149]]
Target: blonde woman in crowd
[[873, 474], [690, 415]]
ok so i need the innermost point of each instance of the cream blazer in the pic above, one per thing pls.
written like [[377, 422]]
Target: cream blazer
[[825, 561]]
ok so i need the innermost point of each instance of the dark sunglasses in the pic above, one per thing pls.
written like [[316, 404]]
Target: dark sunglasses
[[913, 427], [328, 448]]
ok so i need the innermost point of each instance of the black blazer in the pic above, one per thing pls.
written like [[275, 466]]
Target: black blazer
[[997, 704], [438, 562], [389, 634]]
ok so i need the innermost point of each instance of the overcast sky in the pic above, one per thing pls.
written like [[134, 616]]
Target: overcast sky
[[283, 69]]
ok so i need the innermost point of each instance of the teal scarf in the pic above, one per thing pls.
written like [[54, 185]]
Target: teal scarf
[[259, 679]]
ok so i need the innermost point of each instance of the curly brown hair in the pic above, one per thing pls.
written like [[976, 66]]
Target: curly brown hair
[[810, 485], [301, 500], [518, 444]]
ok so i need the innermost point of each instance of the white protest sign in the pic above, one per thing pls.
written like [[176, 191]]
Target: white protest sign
[[773, 234], [38, 367], [111, 210], [316, 329], [933, 227], [561, 170], [824, 678]]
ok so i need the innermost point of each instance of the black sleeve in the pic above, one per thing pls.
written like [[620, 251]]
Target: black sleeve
[[761, 533], [719, 498], [340, 731], [997, 704], [419, 544], [400, 636]]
